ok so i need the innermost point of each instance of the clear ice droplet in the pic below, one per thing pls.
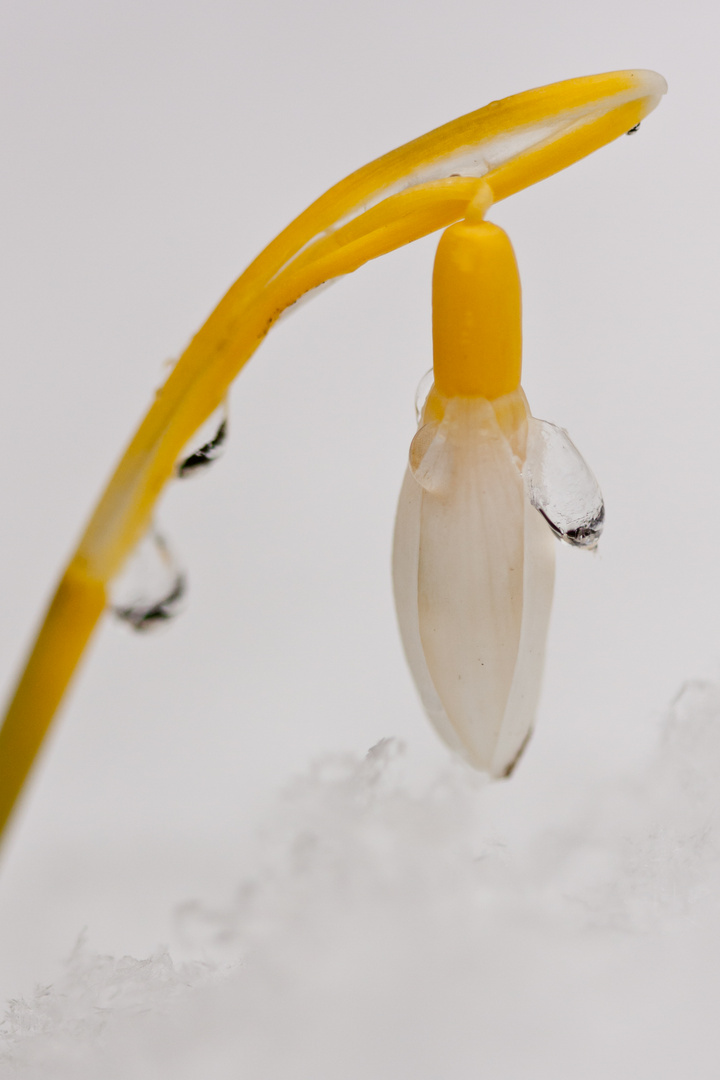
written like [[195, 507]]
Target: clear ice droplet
[[422, 393], [561, 486], [207, 445], [151, 588]]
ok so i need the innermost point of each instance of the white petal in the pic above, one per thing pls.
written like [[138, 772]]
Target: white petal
[[538, 584], [406, 550]]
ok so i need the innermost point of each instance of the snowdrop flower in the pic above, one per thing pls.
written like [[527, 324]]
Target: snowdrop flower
[[473, 557], [485, 488]]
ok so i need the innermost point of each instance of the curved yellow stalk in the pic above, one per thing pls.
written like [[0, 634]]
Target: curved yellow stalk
[[412, 191]]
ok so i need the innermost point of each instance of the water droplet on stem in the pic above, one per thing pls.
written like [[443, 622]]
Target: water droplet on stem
[[151, 588], [207, 445]]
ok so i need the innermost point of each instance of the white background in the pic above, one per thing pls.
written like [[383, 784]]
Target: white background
[[149, 151]]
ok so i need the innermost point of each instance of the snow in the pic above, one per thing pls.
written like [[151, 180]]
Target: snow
[[391, 925]]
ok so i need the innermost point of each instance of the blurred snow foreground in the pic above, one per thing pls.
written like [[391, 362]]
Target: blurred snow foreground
[[383, 930]]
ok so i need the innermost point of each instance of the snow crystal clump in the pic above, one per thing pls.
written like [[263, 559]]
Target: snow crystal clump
[[389, 932]]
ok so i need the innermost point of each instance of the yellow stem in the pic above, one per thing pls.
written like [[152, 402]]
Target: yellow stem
[[71, 618]]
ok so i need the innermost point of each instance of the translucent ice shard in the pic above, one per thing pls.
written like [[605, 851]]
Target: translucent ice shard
[[561, 486], [421, 394], [207, 446], [151, 589]]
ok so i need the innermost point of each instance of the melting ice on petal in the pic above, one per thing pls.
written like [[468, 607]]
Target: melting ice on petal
[[422, 393], [561, 486], [151, 588], [208, 444]]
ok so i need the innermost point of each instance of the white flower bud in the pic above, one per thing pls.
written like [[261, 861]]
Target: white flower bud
[[473, 569]]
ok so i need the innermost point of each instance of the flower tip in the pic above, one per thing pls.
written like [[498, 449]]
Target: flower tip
[[651, 86], [652, 81]]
